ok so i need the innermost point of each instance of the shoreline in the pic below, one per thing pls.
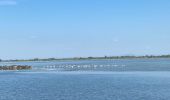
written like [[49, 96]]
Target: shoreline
[[84, 59]]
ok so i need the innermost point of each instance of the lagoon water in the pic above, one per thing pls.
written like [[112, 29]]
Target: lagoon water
[[126, 79]]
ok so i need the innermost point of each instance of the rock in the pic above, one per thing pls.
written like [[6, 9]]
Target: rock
[[16, 67]]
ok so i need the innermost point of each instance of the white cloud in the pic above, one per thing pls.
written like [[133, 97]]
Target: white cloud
[[148, 47], [115, 40], [7, 2], [33, 37]]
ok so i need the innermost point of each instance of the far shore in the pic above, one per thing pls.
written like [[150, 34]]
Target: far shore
[[89, 58]]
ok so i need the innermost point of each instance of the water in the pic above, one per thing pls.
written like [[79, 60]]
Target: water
[[137, 79], [99, 65]]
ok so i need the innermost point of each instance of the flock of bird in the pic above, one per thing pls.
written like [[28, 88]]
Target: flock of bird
[[78, 66]]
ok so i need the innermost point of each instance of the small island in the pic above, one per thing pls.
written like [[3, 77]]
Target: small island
[[15, 67]]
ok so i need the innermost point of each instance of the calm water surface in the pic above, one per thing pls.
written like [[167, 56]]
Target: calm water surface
[[137, 79]]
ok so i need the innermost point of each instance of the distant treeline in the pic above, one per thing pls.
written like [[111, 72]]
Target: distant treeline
[[90, 58]]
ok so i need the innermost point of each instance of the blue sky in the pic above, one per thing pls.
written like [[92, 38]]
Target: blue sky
[[74, 28]]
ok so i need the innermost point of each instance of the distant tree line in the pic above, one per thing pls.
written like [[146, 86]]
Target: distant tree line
[[91, 58]]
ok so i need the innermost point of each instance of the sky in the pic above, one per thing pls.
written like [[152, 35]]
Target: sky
[[82, 28]]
